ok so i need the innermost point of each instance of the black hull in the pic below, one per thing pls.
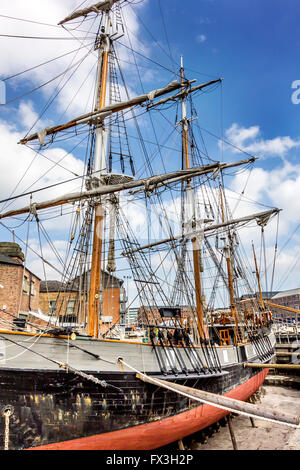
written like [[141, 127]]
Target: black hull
[[54, 406]]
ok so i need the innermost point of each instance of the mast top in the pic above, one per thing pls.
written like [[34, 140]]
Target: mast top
[[96, 8]]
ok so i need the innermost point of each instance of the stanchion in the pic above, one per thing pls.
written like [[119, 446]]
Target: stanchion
[[233, 440]]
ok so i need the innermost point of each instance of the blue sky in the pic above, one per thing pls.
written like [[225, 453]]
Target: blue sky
[[253, 45]]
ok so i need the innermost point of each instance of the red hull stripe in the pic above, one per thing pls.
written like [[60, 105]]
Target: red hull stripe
[[162, 432]]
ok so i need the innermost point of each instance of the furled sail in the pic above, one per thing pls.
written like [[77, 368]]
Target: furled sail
[[96, 8], [104, 112]]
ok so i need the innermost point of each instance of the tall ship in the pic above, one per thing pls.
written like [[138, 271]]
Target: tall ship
[[71, 375]]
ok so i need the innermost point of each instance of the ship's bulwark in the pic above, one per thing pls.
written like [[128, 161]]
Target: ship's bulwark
[[54, 409]]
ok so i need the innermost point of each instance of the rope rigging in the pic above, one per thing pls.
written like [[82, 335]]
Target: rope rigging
[[177, 276]]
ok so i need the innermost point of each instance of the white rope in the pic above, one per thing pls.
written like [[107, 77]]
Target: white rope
[[6, 359], [26, 340], [222, 407]]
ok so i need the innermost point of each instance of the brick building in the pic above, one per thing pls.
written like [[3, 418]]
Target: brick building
[[68, 302], [248, 303], [19, 291], [289, 298]]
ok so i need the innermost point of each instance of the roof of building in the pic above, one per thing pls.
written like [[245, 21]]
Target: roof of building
[[287, 293], [12, 250], [108, 281], [265, 295], [7, 260], [8, 254], [51, 286]]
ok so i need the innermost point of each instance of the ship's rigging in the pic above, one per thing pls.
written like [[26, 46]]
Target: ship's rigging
[[111, 166], [149, 199]]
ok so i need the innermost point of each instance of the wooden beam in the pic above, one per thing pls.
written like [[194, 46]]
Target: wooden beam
[[258, 365], [106, 111], [236, 405], [99, 216], [281, 307], [181, 445], [150, 183], [185, 93], [233, 440], [210, 228]]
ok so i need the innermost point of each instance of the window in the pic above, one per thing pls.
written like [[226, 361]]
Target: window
[[23, 316], [70, 307], [32, 289], [25, 285], [67, 319], [52, 307]]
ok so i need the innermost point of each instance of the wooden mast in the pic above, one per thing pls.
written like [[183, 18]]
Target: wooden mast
[[191, 204], [258, 278], [99, 170], [230, 279]]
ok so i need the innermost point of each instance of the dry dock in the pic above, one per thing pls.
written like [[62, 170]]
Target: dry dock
[[265, 435]]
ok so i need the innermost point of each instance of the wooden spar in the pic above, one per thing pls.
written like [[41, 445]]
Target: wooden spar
[[288, 353], [196, 248], [104, 80], [106, 111], [230, 427], [181, 445], [281, 307], [232, 403], [95, 281], [149, 183], [185, 93], [96, 8], [229, 272], [232, 300], [256, 365], [198, 289], [228, 165], [258, 278], [206, 229]]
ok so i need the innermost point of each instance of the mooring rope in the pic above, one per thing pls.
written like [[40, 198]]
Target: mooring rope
[[192, 397]]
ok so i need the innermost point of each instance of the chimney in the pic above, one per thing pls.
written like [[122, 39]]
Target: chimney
[[13, 250]]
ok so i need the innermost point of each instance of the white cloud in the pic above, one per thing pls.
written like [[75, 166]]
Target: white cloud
[[17, 55], [201, 38], [28, 117], [276, 187], [52, 270], [21, 168], [248, 139]]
